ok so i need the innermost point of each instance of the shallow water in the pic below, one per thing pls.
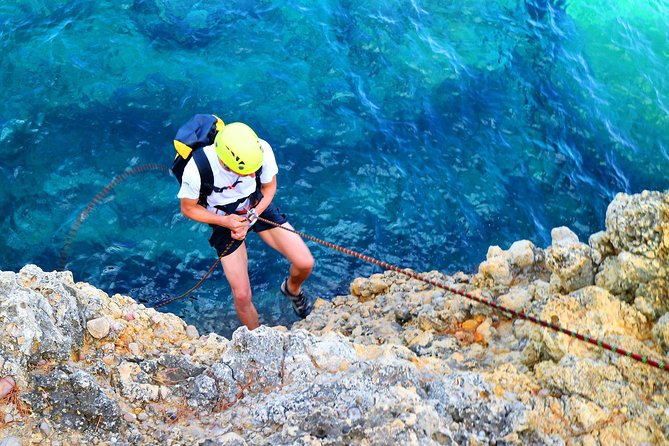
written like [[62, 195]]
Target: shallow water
[[415, 132]]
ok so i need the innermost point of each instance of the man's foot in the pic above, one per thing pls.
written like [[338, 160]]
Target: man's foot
[[301, 304]]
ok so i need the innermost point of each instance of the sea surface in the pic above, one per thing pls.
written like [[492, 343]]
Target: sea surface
[[416, 132]]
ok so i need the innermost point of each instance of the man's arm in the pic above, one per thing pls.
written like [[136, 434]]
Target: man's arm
[[268, 192]]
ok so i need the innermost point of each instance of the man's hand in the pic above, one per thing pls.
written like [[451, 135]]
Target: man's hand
[[237, 225]]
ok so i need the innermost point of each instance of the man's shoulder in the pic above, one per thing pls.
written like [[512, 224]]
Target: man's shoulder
[[191, 173], [264, 144]]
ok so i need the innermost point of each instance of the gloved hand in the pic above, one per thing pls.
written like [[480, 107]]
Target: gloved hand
[[251, 217]]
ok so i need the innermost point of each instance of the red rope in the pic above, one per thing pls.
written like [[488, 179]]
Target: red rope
[[641, 358]]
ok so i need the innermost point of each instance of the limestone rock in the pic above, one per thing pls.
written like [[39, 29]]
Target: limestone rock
[[600, 246], [564, 237], [623, 274], [191, 332], [522, 254], [639, 224], [591, 311], [652, 298], [569, 261], [518, 298], [136, 385], [398, 360], [634, 250], [77, 398], [99, 327], [601, 389], [232, 439], [366, 289], [661, 333], [497, 269], [41, 315], [7, 384], [502, 269]]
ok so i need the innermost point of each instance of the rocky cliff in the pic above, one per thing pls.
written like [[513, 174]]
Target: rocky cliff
[[396, 361]]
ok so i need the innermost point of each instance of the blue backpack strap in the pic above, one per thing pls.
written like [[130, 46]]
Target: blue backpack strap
[[206, 176]]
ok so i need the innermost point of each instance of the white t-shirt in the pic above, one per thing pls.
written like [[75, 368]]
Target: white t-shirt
[[243, 185]]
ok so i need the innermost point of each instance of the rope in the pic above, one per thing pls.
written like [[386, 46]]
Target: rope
[[211, 270], [83, 215], [519, 314]]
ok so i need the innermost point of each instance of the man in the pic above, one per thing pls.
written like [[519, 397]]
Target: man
[[236, 156]]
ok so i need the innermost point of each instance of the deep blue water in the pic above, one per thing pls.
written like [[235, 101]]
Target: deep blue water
[[419, 133]]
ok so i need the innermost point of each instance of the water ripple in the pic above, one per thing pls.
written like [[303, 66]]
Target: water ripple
[[418, 133]]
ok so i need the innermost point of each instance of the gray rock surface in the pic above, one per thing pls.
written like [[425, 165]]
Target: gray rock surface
[[396, 361]]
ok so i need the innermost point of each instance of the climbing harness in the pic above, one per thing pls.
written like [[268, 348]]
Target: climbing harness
[[253, 217]]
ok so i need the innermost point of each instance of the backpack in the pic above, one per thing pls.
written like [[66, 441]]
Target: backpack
[[200, 131]]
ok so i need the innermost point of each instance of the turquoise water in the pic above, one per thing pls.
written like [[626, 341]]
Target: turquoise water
[[419, 133]]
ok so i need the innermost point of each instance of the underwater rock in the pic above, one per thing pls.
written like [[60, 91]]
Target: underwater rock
[[186, 25], [537, 9]]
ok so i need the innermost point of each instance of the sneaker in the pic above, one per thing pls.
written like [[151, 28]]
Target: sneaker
[[300, 302]]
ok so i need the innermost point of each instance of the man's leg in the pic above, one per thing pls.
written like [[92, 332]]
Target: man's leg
[[293, 248], [235, 267]]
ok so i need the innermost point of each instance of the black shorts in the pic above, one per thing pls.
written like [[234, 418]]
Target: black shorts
[[221, 237]]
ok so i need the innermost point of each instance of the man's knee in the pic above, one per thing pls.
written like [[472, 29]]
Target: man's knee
[[242, 298], [305, 263]]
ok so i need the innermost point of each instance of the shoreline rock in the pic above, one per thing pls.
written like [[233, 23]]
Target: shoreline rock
[[395, 361]]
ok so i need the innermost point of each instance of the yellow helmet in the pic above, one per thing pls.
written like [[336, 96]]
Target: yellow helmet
[[238, 147]]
